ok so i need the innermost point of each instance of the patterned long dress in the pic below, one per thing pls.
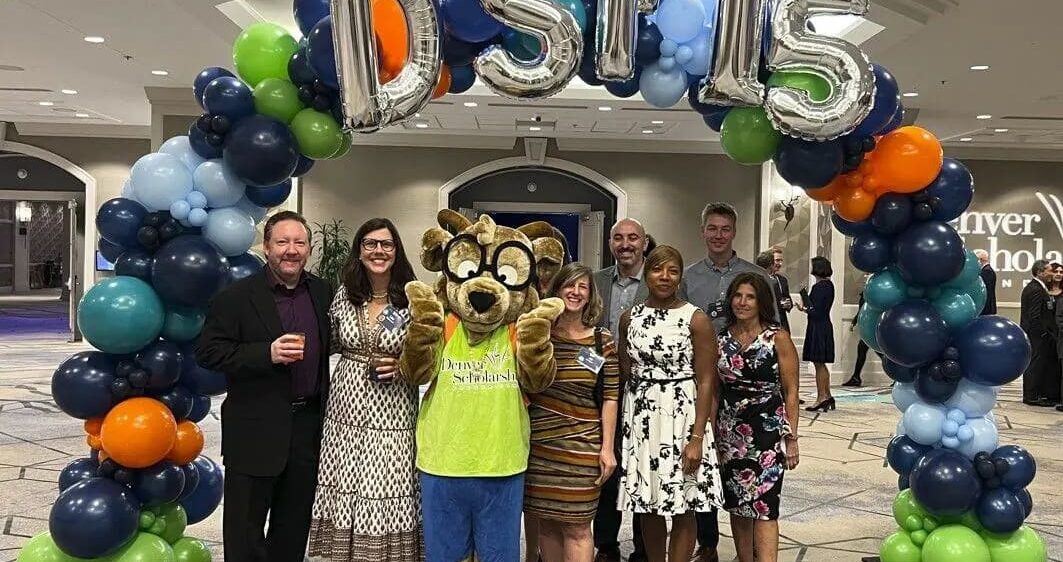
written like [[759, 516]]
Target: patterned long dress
[[659, 416], [750, 426], [367, 507]]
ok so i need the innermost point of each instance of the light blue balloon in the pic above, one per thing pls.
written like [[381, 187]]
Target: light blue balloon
[[197, 217], [182, 149], [180, 209], [230, 230], [956, 415], [950, 428], [985, 438], [668, 47], [867, 321], [701, 48], [127, 190], [885, 289], [683, 54], [254, 211], [922, 422], [182, 324], [218, 184], [159, 180], [973, 399], [956, 307], [965, 433], [950, 442], [197, 200], [900, 426], [120, 315], [970, 272], [680, 20], [662, 88], [666, 64], [904, 395]]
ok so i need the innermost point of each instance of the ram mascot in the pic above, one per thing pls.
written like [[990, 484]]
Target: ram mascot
[[480, 338]]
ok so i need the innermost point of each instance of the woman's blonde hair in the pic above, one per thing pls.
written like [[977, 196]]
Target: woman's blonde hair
[[569, 274]]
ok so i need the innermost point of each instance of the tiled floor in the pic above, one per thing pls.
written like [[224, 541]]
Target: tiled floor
[[836, 506]]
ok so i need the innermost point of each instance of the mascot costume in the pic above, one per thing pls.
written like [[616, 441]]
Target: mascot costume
[[481, 338]]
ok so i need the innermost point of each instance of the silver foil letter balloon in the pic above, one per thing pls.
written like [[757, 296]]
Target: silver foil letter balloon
[[733, 80], [368, 105], [617, 22], [841, 63], [558, 33]]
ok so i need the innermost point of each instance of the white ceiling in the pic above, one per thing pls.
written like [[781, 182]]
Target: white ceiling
[[928, 44]]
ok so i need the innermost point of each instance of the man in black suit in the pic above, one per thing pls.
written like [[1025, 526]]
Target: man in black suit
[[269, 334], [989, 277], [1034, 309], [771, 261]]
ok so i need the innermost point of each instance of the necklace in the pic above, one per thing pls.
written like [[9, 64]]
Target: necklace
[[380, 296]]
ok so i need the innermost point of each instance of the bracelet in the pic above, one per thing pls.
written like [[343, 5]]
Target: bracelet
[[696, 436], [791, 436]]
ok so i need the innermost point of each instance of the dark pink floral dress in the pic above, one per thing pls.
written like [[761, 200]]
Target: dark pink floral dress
[[750, 426]]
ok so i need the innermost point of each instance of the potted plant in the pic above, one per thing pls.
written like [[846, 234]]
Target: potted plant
[[332, 246]]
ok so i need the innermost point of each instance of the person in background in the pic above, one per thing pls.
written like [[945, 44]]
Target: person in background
[[989, 278], [368, 504], [819, 336], [1058, 386], [756, 426], [861, 347], [786, 302], [269, 333], [572, 450], [1050, 390], [668, 358], [1033, 308], [766, 260], [621, 286]]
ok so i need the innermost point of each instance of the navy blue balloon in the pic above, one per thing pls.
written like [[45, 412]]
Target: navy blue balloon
[[119, 219], [892, 214], [162, 360], [714, 121], [945, 483], [953, 188], [896, 122], [460, 53], [76, 471], [647, 42], [904, 482], [230, 97], [912, 333], [588, 70], [807, 164], [200, 408], [1026, 499], [899, 372], [303, 166], [299, 70], [932, 389], [191, 472], [993, 350], [134, 263], [1021, 466], [109, 250], [461, 78], [159, 484], [179, 400], [206, 76], [244, 265], [197, 379], [197, 139], [322, 53], [850, 228], [81, 385], [887, 98], [269, 196], [1000, 511], [902, 454], [94, 518], [870, 252], [309, 12], [188, 271], [207, 495], [467, 20], [627, 88], [929, 253], [261, 151]]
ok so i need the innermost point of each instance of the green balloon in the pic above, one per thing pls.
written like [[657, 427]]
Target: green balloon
[[318, 134], [175, 520], [904, 506], [885, 289], [145, 547], [120, 315], [190, 550], [262, 51], [912, 523], [955, 307], [748, 137], [970, 520], [348, 138], [867, 321], [147, 519], [899, 547], [816, 86], [955, 543], [182, 324], [278, 98], [930, 523], [1023, 545], [42, 548], [919, 537]]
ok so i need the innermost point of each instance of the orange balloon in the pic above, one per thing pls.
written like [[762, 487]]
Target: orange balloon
[[392, 49], [854, 204], [906, 160], [138, 432], [102, 456], [828, 192], [93, 425], [188, 445], [93, 441], [443, 85]]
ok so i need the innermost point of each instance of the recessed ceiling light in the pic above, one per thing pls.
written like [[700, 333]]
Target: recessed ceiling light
[[533, 128], [69, 92], [966, 139], [980, 67], [94, 39], [81, 115], [911, 94], [421, 125], [160, 73], [46, 103], [1000, 130], [470, 104], [416, 114], [604, 108], [984, 116], [657, 122], [647, 131]]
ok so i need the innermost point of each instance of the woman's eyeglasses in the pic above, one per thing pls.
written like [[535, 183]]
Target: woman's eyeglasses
[[370, 244]]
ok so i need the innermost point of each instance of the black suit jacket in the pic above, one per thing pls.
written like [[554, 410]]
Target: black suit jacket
[[256, 417], [1034, 307], [782, 292], [989, 277]]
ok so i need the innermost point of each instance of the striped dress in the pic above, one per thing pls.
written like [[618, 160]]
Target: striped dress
[[566, 436]]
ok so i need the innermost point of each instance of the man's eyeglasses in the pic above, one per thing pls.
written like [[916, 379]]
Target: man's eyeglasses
[[370, 244]]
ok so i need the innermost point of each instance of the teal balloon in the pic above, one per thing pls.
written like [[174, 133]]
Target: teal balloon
[[885, 289], [956, 307], [867, 321], [976, 290], [522, 46], [575, 7], [971, 269], [121, 315], [182, 324]]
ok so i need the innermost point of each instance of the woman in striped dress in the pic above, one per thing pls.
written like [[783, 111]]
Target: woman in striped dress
[[572, 423]]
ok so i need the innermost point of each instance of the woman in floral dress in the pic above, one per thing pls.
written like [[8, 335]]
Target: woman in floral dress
[[756, 427]]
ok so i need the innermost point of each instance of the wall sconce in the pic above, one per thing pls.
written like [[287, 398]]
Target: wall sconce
[[23, 215]]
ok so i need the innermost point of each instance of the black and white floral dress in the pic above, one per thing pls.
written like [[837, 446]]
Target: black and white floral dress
[[658, 417]]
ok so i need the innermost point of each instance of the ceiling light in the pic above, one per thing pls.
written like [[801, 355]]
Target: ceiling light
[[535, 128], [421, 125], [966, 139], [416, 114], [470, 104], [657, 122], [604, 108], [984, 116], [94, 39], [1000, 130], [160, 73], [911, 94], [46, 103], [81, 115], [980, 67], [69, 92], [647, 131]]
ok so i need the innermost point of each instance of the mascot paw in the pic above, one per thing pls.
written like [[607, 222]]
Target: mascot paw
[[548, 309], [425, 308]]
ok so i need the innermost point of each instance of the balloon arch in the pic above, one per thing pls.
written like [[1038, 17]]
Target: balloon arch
[[757, 73]]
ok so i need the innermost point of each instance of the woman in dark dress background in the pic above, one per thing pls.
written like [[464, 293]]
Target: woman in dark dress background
[[819, 336]]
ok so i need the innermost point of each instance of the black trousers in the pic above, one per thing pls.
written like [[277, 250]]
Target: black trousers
[[287, 498], [861, 357], [708, 530], [608, 518]]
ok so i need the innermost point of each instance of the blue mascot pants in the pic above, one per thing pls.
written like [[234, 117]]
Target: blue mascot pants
[[467, 515]]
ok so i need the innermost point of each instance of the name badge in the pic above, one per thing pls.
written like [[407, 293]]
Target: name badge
[[590, 360], [716, 309], [392, 319]]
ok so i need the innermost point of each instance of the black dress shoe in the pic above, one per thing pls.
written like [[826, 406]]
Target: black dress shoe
[[1040, 402], [823, 406], [854, 381]]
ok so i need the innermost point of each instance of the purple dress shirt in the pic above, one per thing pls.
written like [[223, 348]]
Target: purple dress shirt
[[296, 311]]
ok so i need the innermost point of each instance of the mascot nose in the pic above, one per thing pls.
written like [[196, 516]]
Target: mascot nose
[[481, 302]]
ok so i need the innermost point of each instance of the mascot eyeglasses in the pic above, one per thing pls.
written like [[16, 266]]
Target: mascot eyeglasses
[[507, 265]]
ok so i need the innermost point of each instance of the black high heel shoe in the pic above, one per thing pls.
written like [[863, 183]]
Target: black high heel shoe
[[823, 406]]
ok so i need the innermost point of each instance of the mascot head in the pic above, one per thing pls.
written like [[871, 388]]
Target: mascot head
[[489, 272]]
